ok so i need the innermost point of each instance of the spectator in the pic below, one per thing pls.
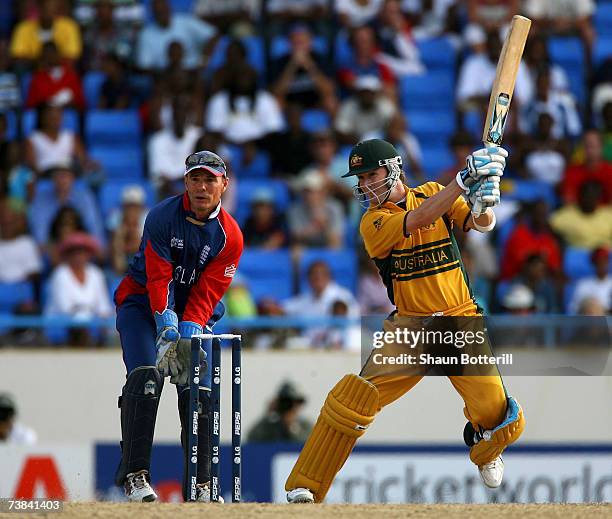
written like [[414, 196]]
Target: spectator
[[492, 14], [238, 300], [265, 228], [365, 61], [21, 260], [593, 168], [316, 220], [127, 13], [519, 300], [536, 58], [597, 287], [536, 276], [585, 224], [398, 133], [562, 17], [168, 149], [11, 431], [236, 61], [560, 105], [105, 37], [461, 143], [16, 179], [67, 221], [29, 36], [544, 155], [64, 191], [49, 144], [291, 146], [592, 307], [77, 287], [481, 286], [357, 13], [55, 82], [127, 232], [229, 16], [10, 93], [282, 421], [532, 235], [196, 37], [242, 112], [302, 77], [606, 114], [371, 292], [398, 50], [283, 13], [322, 293], [365, 112], [115, 92]]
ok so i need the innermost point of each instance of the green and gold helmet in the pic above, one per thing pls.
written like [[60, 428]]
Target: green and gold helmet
[[368, 156]]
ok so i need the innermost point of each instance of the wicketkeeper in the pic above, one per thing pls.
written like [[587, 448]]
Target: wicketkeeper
[[402, 222], [188, 256]]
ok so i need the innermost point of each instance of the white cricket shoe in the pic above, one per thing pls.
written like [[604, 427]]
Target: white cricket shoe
[[492, 473], [137, 487], [203, 493], [300, 495]]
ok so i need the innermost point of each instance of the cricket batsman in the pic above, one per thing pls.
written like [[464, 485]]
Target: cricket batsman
[[188, 255], [408, 222]]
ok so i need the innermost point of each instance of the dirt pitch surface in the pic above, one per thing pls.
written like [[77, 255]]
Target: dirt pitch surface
[[271, 511]]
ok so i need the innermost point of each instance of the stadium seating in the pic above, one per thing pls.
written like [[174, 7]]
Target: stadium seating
[[602, 19], [530, 191], [258, 168], [110, 194], [13, 294], [315, 120], [431, 90], [254, 48], [267, 273], [70, 121], [11, 124], [342, 263], [437, 53], [436, 159], [568, 52], [281, 46], [431, 126], [602, 49], [113, 128], [577, 263], [92, 84], [248, 187], [119, 163]]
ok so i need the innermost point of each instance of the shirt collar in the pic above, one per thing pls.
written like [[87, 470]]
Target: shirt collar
[[187, 207]]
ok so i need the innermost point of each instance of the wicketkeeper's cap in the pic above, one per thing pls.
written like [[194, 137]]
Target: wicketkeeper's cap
[[369, 155], [206, 160]]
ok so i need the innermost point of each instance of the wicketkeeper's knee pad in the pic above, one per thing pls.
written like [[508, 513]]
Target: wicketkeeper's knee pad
[[348, 410], [486, 445]]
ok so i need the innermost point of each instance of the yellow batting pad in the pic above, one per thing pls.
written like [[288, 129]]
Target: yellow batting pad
[[348, 410], [494, 442]]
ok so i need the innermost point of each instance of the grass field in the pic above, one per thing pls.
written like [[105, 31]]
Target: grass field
[[275, 511]]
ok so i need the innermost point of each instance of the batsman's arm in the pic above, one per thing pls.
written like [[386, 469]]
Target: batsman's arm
[[432, 208]]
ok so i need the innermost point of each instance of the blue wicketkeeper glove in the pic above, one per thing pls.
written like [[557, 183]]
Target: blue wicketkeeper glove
[[165, 344], [187, 329]]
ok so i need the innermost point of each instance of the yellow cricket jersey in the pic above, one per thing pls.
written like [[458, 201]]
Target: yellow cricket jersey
[[422, 270]]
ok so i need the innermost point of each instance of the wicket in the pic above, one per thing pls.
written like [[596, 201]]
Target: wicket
[[215, 414]]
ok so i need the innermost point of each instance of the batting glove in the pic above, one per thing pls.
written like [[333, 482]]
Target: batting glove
[[482, 163], [484, 194], [187, 329], [165, 344]]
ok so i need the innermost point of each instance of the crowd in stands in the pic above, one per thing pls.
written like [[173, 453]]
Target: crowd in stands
[[102, 100]]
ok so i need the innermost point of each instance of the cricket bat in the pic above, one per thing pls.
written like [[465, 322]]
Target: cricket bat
[[503, 86]]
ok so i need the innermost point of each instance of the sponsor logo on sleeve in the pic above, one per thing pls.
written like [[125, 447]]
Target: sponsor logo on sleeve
[[176, 243], [378, 223], [230, 271]]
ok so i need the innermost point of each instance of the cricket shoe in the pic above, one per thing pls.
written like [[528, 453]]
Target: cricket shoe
[[137, 487], [300, 495], [203, 493], [492, 473]]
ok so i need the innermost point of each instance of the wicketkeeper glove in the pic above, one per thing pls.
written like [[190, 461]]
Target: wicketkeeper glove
[[482, 163], [187, 329], [165, 344]]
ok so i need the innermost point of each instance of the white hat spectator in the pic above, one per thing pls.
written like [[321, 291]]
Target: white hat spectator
[[133, 194], [369, 82]]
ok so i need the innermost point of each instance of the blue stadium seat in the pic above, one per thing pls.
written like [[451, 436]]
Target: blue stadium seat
[[11, 124], [110, 194], [577, 263], [119, 163], [267, 273], [70, 121], [437, 53], [281, 46], [343, 52], [568, 52], [342, 263], [12, 294], [431, 126], [603, 18], [92, 84], [436, 159], [248, 187], [26, 79], [503, 234], [431, 90], [182, 6], [258, 168], [113, 128], [602, 49], [315, 120], [530, 191]]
